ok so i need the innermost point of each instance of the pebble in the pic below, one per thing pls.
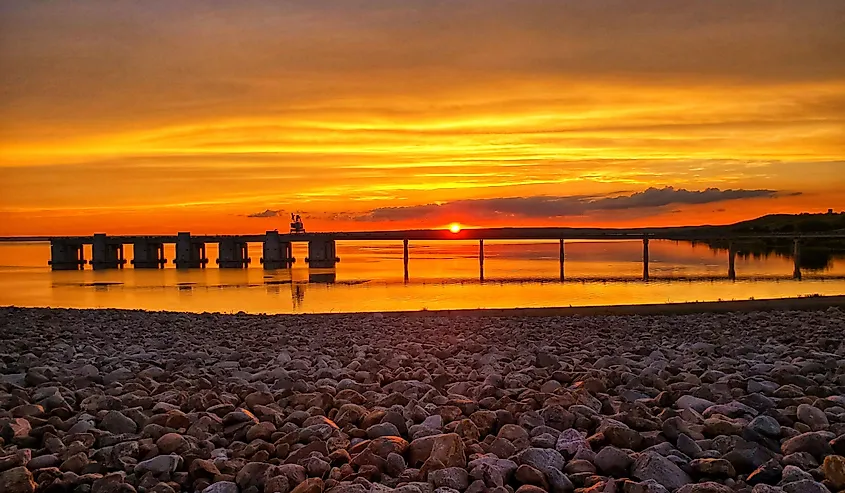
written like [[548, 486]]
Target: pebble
[[166, 402]]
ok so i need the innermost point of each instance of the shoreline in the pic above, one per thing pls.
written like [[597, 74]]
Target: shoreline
[[128, 401], [807, 303]]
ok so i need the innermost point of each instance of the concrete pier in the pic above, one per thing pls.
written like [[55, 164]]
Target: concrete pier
[[276, 254], [322, 254], [66, 255], [645, 258], [105, 255], [796, 256], [148, 255], [190, 254], [232, 254]]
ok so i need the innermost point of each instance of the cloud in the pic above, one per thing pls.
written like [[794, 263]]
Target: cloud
[[266, 213], [560, 206]]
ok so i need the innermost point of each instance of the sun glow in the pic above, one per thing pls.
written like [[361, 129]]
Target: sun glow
[[455, 228]]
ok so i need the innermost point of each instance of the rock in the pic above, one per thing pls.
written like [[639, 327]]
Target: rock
[[815, 443], [40, 462], [765, 425], [171, 443], [447, 448], [161, 464], [805, 486], [613, 462], [695, 403], [834, 470], [812, 417], [17, 480], [708, 487], [221, 487], [623, 437], [260, 431], [313, 485], [252, 474], [526, 474], [450, 477], [382, 430], [541, 459], [713, 467], [570, 441], [117, 423], [650, 465], [768, 473]]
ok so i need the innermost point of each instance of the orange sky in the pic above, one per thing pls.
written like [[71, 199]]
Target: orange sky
[[152, 117]]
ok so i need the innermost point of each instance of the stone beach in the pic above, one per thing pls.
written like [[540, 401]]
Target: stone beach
[[112, 401]]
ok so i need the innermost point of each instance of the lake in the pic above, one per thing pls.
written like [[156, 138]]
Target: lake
[[442, 275]]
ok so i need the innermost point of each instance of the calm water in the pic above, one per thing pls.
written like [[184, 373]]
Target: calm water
[[443, 275]]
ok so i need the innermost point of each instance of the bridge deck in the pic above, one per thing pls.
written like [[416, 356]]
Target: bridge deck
[[679, 234]]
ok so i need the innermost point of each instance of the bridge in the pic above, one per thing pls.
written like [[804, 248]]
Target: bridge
[[107, 251]]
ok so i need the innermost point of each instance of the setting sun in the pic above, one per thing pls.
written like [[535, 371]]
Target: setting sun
[[455, 228]]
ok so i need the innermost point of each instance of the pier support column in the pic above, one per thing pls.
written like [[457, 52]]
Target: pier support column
[[233, 254], [731, 261], [645, 258], [405, 257], [796, 256], [277, 254], [65, 255], [148, 255], [561, 259], [189, 254], [322, 254], [105, 255], [481, 259]]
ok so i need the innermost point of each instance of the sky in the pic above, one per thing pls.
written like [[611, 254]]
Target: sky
[[226, 116]]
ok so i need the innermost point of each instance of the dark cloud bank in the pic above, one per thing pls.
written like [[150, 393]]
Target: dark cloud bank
[[266, 213], [558, 206]]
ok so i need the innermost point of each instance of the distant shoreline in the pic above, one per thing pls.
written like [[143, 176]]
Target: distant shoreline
[[810, 303]]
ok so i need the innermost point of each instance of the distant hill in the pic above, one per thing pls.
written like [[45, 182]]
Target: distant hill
[[784, 223], [792, 223], [816, 254]]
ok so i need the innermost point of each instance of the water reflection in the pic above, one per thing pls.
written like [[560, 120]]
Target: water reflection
[[439, 275]]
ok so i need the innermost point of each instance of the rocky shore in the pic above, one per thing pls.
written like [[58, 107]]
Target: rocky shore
[[109, 401]]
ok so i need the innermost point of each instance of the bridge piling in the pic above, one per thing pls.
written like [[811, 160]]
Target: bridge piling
[[65, 255], [105, 255], [277, 254], [645, 258], [796, 256], [322, 254], [148, 255], [189, 254], [233, 254]]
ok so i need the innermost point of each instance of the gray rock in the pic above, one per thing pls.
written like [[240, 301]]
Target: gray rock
[[613, 461], [159, 465], [116, 422], [650, 465], [541, 459], [450, 477], [805, 486], [813, 417], [765, 425], [221, 487]]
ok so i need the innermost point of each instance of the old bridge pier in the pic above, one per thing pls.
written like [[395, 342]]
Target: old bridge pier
[[107, 252]]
